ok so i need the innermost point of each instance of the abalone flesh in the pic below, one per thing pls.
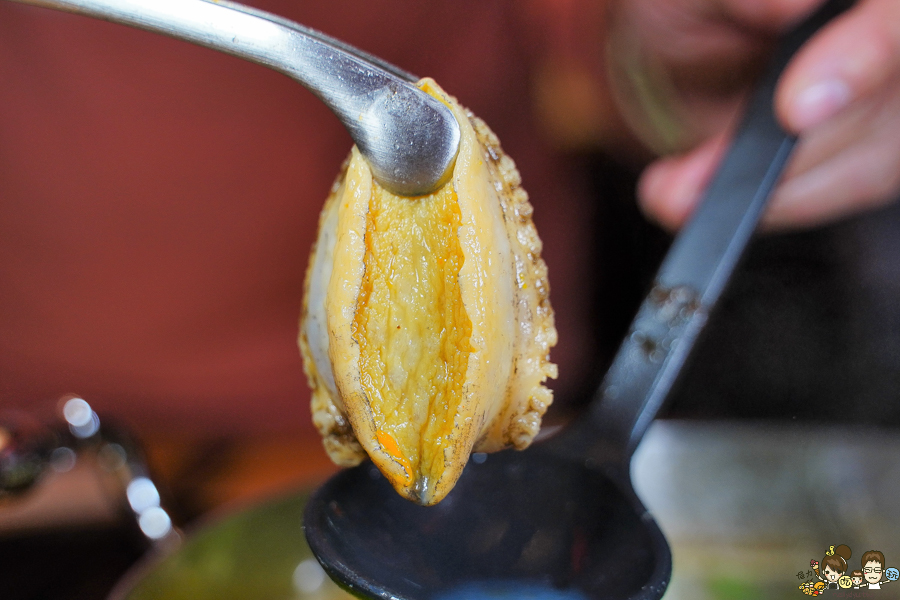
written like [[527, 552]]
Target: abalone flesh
[[426, 324]]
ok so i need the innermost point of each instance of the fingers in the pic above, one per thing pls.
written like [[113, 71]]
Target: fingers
[[842, 95], [846, 165], [850, 59]]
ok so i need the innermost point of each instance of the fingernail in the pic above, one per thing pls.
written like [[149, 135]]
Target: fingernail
[[819, 102]]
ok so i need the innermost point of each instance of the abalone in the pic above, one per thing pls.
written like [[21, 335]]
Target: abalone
[[427, 325]]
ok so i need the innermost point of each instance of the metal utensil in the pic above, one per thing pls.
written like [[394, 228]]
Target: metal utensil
[[409, 138], [562, 521], [30, 449]]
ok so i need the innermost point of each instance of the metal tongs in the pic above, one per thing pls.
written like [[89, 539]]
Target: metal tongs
[[409, 138]]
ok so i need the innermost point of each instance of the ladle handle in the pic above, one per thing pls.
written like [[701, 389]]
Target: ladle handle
[[693, 273]]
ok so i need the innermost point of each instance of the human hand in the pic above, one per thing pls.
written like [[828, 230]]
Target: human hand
[[841, 94]]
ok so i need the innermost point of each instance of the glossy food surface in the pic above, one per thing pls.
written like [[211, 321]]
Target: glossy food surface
[[412, 329], [427, 325]]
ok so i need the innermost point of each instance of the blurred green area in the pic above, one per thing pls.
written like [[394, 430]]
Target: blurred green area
[[258, 553]]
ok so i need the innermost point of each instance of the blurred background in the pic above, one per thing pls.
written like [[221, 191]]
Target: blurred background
[[157, 205]]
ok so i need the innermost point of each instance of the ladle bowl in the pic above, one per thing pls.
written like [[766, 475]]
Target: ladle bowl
[[517, 525]]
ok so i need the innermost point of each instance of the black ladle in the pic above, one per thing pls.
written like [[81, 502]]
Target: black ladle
[[561, 520]]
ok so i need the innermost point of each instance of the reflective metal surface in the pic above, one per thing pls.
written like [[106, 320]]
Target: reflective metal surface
[[409, 138], [28, 450]]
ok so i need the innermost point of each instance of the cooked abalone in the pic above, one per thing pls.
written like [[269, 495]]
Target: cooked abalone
[[426, 325]]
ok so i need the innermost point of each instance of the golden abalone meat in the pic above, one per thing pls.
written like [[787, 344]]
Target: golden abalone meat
[[426, 325]]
